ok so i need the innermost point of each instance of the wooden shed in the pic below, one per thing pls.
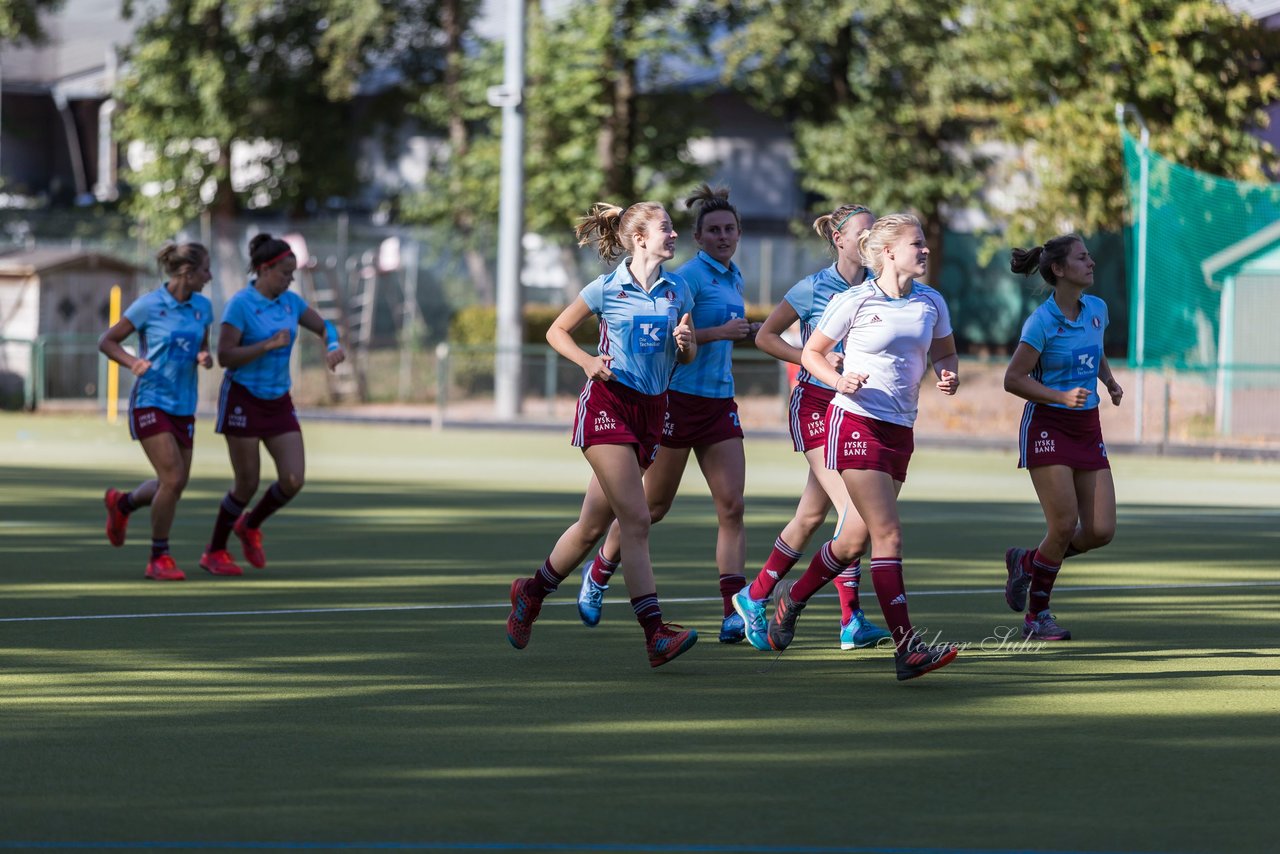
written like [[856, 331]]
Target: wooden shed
[[60, 299], [1248, 388]]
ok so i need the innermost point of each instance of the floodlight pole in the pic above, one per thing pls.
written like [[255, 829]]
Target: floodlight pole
[[510, 328], [1140, 273]]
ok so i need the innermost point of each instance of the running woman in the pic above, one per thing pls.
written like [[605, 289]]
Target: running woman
[[172, 323], [259, 327], [1056, 369], [823, 490], [702, 414], [645, 330], [893, 328]]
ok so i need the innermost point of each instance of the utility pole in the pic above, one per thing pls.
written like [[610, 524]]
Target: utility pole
[[508, 358]]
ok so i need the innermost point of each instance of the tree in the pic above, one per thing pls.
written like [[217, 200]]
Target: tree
[[598, 123], [20, 20], [873, 94], [204, 77], [1199, 74]]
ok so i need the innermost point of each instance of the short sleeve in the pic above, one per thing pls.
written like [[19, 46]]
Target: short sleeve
[[800, 297], [837, 319], [233, 313], [943, 327], [1033, 333], [139, 311], [593, 295]]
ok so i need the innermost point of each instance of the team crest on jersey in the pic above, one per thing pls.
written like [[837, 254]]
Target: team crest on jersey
[[1097, 323], [671, 295]]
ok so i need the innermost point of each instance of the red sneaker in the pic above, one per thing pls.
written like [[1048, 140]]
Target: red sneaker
[[668, 642], [250, 543], [524, 610], [219, 563], [164, 569], [117, 522]]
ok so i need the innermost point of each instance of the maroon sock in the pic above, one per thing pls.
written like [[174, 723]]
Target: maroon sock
[[125, 503], [847, 588], [780, 561], [268, 504], [1043, 574], [544, 581], [159, 547], [824, 567], [228, 512], [729, 585], [886, 575], [602, 569], [648, 614]]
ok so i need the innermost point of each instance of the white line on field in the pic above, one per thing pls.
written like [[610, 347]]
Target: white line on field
[[275, 612]]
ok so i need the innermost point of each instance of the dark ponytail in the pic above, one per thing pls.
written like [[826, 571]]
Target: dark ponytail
[[265, 250], [707, 200], [1024, 262]]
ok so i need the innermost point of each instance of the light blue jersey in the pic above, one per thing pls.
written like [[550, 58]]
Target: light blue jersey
[[636, 327], [1070, 350], [170, 334], [809, 297], [258, 318], [717, 299]]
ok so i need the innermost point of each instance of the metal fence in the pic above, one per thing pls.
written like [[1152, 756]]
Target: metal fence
[[454, 385]]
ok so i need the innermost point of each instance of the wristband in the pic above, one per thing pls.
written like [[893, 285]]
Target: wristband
[[330, 336]]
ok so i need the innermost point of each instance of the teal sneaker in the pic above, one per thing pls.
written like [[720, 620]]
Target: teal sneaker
[[860, 633], [733, 629], [753, 618], [590, 599]]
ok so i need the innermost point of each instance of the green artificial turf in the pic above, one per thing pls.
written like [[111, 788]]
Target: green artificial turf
[[360, 691]]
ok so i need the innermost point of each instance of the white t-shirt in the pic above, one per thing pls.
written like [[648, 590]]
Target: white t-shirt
[[888, 340]]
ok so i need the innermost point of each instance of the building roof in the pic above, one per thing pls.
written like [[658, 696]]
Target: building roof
[[31, 262], [1225, 262]]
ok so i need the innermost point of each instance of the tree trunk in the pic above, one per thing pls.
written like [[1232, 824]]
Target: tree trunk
[[616, 140], [481, 277]]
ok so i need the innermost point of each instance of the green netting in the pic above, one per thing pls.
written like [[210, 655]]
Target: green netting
[[1190, 217]]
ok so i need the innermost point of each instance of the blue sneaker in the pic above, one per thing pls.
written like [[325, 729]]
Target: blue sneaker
[[860, 633], [590, 599], [733, 629], [753, 618]]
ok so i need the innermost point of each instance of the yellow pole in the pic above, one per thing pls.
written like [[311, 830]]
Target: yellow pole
[[113, 370]]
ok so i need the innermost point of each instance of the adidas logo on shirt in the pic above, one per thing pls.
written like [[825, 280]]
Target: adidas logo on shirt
[[875, 318], [622, 294]]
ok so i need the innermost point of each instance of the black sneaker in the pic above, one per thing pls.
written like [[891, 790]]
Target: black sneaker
[[782, 625], [1015, 588], [917, 659]]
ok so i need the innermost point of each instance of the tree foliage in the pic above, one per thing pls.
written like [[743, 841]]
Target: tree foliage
[[1054, 70], [20, 20], [204, 75], [874, 101], [597, 127]]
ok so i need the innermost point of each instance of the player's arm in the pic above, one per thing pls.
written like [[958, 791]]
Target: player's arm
[[1109, 380], [816, 359], [203, 359], [946, 363], [560, 337], [233, 354], [686, 338], [1018, 381], [111, 345], [769, 338], [313, 322], [733, 329]]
